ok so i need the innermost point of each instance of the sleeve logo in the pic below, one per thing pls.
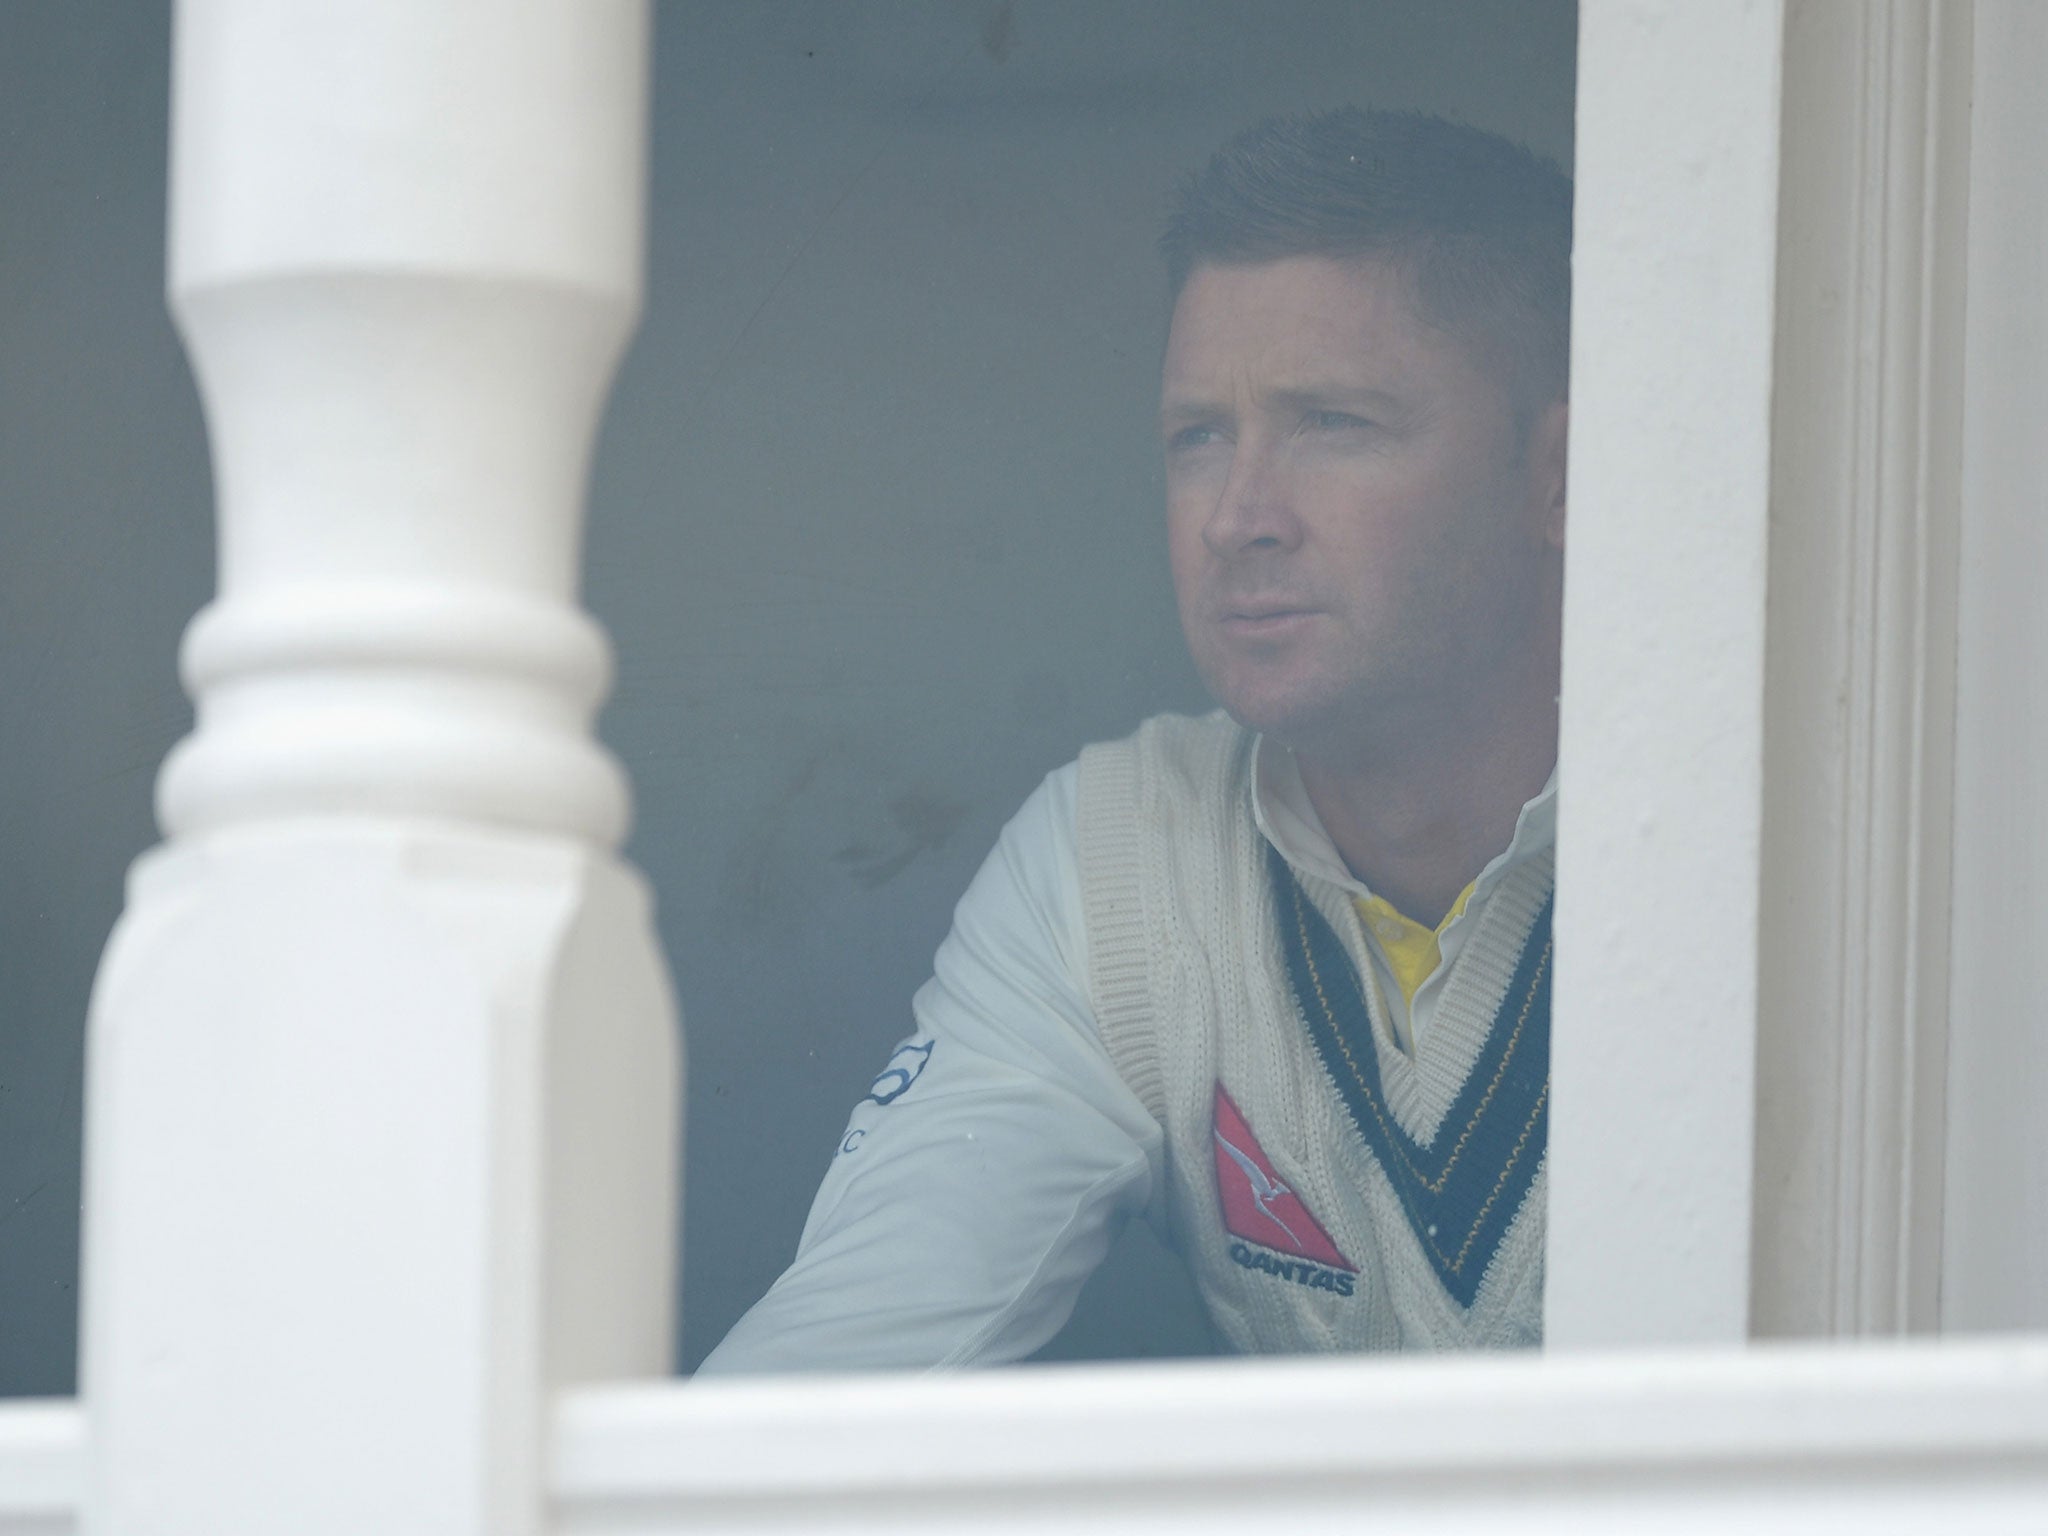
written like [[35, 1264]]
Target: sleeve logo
[[905, 1067]]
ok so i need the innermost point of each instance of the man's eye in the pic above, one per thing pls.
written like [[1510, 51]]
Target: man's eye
[[1192, 437], [1333, 421]]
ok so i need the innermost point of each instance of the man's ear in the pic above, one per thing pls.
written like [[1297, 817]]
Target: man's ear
[[1548, 441]]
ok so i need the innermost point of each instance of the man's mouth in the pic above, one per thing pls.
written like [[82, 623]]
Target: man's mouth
[[1264, 621]]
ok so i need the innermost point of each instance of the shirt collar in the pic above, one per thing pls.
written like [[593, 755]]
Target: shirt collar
[[1281, 806]]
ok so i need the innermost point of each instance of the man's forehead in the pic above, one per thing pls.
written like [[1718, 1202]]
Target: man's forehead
[[1307, 319]]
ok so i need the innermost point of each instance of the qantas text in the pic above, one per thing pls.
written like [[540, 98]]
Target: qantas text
[[1300, 1271]]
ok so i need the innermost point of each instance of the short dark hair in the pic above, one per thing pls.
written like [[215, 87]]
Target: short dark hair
[[1483, 226]]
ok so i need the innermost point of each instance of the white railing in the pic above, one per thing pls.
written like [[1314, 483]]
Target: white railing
[[1900, 1439], [1866, 1442], [42, 1467]]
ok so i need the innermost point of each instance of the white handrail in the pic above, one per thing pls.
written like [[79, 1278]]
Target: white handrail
[[1869, 1439]]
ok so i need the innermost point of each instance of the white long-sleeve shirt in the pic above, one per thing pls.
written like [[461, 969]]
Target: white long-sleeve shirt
[[998, 1152]]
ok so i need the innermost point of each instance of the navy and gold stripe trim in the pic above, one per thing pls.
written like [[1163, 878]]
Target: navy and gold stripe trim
[[1461, 1191]]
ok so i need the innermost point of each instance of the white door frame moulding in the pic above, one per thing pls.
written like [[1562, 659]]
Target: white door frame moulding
[[1995, 1259], [1859, 724]]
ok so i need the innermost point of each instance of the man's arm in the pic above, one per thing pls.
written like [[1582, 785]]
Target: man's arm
[[982, 1179]]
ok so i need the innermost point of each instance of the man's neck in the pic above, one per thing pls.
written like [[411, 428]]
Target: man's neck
[[1418, 824]]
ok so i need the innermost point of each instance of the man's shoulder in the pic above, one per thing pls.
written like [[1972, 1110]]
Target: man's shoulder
[[1173, 740], [1185, 760]]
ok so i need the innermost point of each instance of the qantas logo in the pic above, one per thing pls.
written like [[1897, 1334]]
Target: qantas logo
[[1264, 1190], [1260, 1209]]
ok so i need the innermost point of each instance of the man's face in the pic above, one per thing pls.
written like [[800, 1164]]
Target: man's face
[[1358, 527]]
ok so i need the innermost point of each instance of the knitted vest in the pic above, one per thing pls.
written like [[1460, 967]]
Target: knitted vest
[[1298, 1236]]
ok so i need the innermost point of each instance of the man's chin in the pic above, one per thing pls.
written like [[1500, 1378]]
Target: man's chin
[[1285, 716], [1305, 712], [1286, 697]]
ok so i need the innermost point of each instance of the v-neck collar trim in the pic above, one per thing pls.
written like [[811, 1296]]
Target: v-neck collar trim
[[1421, 1089], [1462, 1185]]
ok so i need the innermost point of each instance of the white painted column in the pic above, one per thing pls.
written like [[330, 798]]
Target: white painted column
[[1653, 1044], [383, 1067]]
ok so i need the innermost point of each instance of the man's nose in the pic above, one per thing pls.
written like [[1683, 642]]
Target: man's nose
[[1255, 509]]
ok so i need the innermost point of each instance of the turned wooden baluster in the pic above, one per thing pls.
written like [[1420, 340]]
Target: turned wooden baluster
[[384, 1068]]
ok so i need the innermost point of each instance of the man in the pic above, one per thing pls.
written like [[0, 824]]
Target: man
[[1277, 978]]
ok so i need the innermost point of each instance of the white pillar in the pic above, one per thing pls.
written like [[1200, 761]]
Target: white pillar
[[383, 1072], [1653, 1045]]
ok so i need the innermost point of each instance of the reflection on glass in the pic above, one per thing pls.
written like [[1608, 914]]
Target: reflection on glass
[[1272, 977]]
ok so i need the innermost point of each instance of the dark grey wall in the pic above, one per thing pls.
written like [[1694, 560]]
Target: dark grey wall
[[874, 521], [105, 550]]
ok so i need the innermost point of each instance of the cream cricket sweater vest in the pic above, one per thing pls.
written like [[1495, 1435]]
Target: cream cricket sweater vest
[[1327, 1191]]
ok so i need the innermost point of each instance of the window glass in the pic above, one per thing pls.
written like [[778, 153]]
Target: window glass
[[877, 526]]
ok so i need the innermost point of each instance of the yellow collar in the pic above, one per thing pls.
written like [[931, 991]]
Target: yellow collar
[[1412, 951]]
